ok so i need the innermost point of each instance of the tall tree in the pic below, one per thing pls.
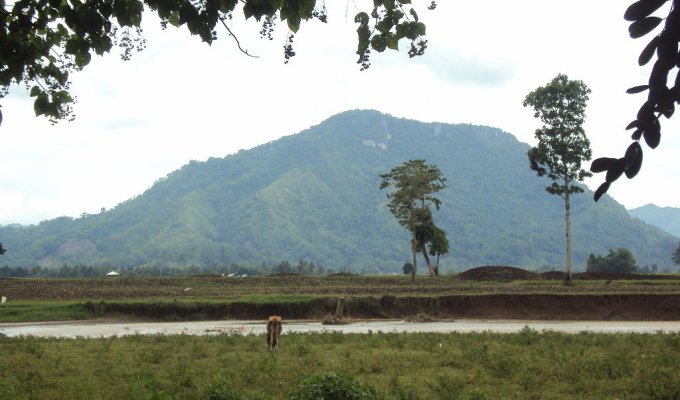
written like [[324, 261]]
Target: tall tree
[[43, 41], [562, 143], [415, 183], [676, 255]]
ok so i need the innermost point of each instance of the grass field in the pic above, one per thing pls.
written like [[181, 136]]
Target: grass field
[[526, 365]]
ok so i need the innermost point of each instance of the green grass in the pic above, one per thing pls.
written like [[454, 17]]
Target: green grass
[[157, 308], [526, 365], [26, 311]]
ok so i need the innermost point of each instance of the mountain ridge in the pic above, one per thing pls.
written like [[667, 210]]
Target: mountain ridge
[[314, 196], [666, 218]]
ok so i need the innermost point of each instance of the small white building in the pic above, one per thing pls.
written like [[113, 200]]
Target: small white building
[[113, 273]]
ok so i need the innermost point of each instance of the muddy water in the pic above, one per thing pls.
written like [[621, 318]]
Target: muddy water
[[96, 329]]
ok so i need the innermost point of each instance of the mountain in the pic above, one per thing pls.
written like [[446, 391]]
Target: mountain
[[666, 218], [314, 196]]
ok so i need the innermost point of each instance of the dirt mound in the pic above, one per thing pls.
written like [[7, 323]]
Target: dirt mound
[[497, 273]]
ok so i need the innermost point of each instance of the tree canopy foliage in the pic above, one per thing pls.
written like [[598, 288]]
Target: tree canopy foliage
[[619, 260], [661, 98], [43, 41]]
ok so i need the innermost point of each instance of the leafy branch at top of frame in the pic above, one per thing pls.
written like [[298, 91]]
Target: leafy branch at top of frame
[[661, 98], [43, 41], [391, 23]]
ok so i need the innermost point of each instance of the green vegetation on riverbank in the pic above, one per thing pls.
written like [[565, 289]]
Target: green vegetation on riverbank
[[526, 365]]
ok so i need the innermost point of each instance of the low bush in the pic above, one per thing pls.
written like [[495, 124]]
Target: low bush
[[331, 386]]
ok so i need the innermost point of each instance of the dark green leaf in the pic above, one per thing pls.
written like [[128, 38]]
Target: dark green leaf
[[35, 90], [667, 107], [616, 170], [645, 113], [601, 190], [82, 59], [294, 22], [653, 135], [637, 89], [633, 159], [378, 43], [414, 14], [391, 41], [40, 104], [642, 27], [632, 125], [602, 164], [648, 51], [641, 9], [632, 154], [667, 49], [421, 28], [637, 134]]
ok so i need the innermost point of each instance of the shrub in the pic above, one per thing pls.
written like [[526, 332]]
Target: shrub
[[331, 386], [619, 260], [221, 391]]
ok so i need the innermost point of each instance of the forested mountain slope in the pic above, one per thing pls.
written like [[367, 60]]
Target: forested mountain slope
[[314, 196], [666, 218]]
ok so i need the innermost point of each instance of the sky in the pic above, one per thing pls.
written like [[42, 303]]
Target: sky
[[181, 100]]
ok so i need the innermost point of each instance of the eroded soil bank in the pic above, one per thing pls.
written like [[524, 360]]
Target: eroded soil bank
[[618, 307]]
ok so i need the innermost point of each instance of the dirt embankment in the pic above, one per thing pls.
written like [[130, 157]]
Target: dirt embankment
[[502, 306], [489, 292]]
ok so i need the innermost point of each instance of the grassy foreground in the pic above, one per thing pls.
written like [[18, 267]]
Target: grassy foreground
[[525, 365]]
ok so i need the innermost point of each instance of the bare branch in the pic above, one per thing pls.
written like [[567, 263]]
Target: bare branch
[[236, 40]]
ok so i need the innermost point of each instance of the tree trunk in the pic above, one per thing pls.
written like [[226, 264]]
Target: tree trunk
[[570, 250], [427, 260], [339, 308], [413, 250], [436, 267]]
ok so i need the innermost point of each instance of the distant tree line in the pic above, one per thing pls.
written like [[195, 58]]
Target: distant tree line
[[302, 267], [620, 260]]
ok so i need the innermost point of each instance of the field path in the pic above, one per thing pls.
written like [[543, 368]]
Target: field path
[[97, 329]]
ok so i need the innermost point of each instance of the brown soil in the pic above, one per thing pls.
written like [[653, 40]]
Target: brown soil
[[482, 292], [504, 273]]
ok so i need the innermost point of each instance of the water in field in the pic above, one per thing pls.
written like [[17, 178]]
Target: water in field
[[96, 329]]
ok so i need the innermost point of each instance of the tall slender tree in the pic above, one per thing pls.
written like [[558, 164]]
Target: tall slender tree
[[415, 184], [562, 144]]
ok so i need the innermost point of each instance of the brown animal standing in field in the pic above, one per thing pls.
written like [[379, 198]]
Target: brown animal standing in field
[[274, 328]]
